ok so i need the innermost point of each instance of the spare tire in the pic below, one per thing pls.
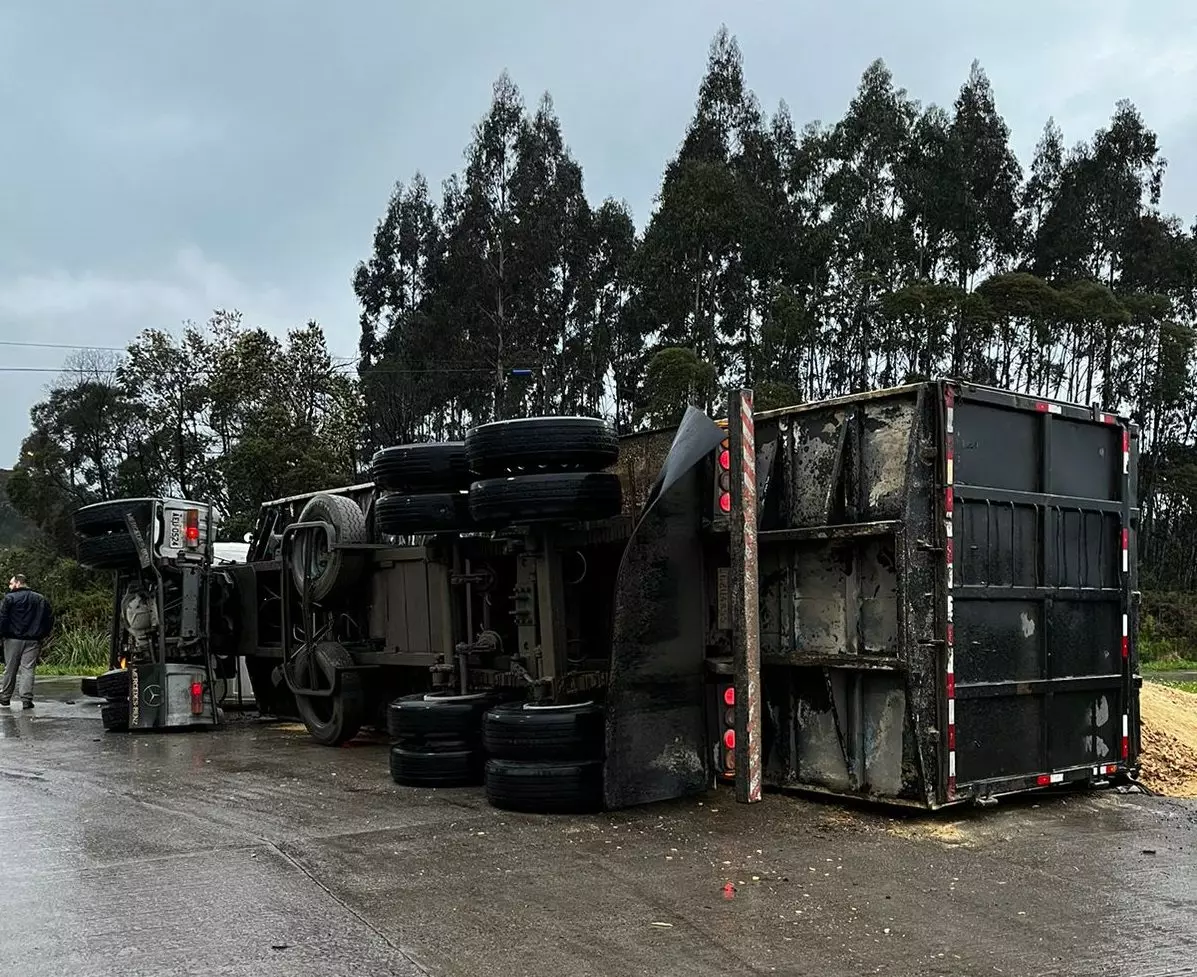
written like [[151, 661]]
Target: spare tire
[[435, 717], [541, 444], [333, 571], [115, 551], [432, 467], [336, 719], [545, 788], [106, 517], [560, 497], [425, 768], [520, 731], [416, 515]]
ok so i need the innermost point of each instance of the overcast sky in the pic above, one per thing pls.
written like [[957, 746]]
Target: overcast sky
[[165, 157]]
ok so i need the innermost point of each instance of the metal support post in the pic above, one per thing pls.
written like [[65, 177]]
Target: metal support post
[[746, 641]]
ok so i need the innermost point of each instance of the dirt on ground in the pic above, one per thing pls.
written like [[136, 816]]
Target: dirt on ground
[[1169, 738]]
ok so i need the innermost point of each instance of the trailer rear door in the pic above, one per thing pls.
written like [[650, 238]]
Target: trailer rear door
[[1040, 653]]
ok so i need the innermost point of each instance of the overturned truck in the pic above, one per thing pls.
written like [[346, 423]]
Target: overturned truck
[[923, 595]]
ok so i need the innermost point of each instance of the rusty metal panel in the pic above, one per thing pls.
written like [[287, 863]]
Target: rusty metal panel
[[836, 601], [848, 607], [410, 608], [746, 640]]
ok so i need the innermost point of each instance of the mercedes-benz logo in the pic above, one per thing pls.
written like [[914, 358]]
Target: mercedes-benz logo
[[152, 695]]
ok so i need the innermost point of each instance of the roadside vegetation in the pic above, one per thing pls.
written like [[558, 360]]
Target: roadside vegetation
[[82, 603]]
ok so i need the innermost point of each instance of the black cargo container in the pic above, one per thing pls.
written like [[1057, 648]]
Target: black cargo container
[[946, 602]]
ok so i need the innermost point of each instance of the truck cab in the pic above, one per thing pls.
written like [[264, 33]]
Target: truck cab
[[160, 552]]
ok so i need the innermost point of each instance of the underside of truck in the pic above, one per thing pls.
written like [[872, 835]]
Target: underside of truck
[[922, 596]]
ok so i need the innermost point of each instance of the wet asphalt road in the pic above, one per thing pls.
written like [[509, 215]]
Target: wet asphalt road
[[252, 851]]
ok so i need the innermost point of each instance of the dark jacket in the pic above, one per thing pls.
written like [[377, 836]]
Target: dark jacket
[[25, 615]]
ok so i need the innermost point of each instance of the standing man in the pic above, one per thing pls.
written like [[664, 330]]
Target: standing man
[[25, 622]]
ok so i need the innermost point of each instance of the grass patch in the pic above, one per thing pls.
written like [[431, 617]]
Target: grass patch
[[1169, 665], [75, 651], [1183, 686]]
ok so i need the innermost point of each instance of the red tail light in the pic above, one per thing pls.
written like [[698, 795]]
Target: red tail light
[[725, 501], [191, 528], [729, 739], [725, 460], [197, 699], [729, 695]]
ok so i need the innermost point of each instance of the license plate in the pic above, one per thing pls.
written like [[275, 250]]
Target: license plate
[[174, 534]]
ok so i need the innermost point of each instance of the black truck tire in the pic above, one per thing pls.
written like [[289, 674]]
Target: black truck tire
[[557, 497], [418, 515], [423, 720], [517, 731], [114, 685], [114, 716], [106, 517], [548, 444], [336, 719], [427, 768], [115, 551], [335, 570], [545, 788], [432, 467]]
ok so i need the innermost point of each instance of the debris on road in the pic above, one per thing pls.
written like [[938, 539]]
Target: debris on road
[[1169, 736]]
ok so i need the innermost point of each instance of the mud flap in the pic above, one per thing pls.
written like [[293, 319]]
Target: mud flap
[[656, 726]]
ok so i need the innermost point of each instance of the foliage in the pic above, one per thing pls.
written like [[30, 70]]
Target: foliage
[[75, 651], [1190, 687], [902, 242], [224, 413], [81, 599]]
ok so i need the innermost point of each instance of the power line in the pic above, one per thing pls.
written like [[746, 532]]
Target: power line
[[372, 371], [104, 349]]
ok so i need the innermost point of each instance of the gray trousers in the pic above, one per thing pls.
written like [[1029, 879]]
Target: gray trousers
[[20, 659]]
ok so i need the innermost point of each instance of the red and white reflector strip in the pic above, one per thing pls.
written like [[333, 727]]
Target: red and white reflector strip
[[1126, 451], [1126, 636], [949, 549], [1047, 779], [1125, 736], [1105, 769], [1045, 408], [1125, 549]]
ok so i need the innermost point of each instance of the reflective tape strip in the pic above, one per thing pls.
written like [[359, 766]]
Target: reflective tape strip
[[949, 574]]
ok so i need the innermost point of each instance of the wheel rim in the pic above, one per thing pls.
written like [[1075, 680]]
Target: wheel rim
[[317, 553]]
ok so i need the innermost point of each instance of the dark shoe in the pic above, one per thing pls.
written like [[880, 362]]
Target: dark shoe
[[6, 703], [28, 705]]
